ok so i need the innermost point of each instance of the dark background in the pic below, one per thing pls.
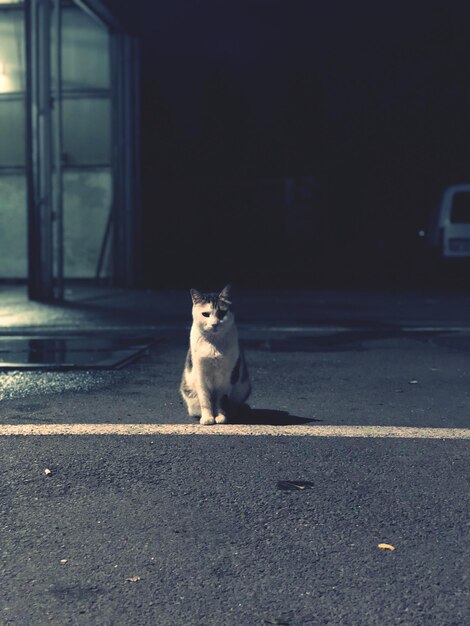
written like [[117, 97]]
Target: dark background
[[363, 106]]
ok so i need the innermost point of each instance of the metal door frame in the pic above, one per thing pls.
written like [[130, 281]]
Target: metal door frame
[[39, 153], [125, 88]]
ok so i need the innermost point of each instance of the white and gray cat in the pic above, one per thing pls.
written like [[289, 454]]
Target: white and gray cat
[[215, 374]]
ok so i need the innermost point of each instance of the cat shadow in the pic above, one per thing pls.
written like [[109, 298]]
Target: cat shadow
[[244, 414]]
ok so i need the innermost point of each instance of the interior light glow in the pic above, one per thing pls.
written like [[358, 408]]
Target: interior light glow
[[6, 84]]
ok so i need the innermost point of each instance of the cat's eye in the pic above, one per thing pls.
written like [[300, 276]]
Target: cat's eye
[[206, 314], [221, 314]]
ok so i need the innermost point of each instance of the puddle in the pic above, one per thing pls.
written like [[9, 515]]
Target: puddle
[[70, 353]]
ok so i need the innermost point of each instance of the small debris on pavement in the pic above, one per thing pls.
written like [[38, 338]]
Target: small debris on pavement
[[63, 561], [385, 546], [413, 382], [294, 485], [133, 579], [276, 621], [47, 471]]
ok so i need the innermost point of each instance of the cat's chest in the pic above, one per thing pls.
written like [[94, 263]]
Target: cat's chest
[[211, 355], [223, 350], [212, 358], [214, 366]]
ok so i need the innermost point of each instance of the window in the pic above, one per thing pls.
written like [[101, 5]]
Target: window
[[87, 130], [12, 68], [12, 85], [85, 52], [12, 133], [460, 213], [86, 95]]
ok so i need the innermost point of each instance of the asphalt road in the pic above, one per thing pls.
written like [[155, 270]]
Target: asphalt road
[[243, 530]]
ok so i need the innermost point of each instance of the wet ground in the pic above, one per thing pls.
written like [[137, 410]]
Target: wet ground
[[238, 530], [352, 360], [69, 352]]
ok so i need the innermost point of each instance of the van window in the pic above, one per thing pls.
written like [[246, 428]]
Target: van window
[[460, 213]]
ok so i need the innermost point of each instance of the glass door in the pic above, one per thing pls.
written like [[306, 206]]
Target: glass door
[[69, 169], [83, 145], [13, 228]]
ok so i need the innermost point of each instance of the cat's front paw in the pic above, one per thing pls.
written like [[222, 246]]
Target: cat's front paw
[[220, 419], [206, 420]]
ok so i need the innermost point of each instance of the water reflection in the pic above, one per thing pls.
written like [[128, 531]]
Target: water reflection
[[69, 352]]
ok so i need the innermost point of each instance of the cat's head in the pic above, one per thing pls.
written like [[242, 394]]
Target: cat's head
[[212, 312]]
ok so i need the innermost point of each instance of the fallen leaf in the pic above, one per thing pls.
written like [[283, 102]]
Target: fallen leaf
[[386, 546], [47, 471], [63, 561], [133, 579]]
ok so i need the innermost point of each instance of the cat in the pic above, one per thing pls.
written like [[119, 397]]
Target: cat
[[215, 375]]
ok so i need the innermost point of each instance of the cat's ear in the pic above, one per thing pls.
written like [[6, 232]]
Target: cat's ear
[[196, 296], [226, 294]]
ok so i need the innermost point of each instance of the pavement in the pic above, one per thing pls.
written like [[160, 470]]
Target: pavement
[[358, 436]]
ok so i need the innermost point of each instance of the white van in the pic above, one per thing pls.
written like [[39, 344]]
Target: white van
[[449, 228]]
